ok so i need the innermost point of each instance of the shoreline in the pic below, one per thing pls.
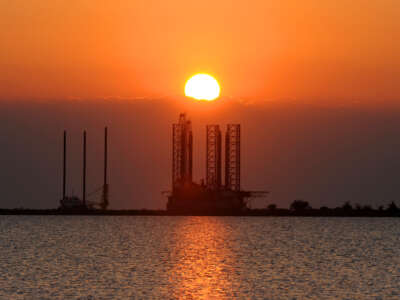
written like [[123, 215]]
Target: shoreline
[[249, 213]]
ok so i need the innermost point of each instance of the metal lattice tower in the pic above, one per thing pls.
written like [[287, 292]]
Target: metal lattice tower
[[232, 157], [213, 157], [182, 151]]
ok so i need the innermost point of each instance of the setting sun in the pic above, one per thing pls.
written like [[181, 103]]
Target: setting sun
[[202, 87]]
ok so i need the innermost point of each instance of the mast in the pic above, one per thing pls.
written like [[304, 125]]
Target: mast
[[84, 170], [64, 163], [104, 202], [105, 156]]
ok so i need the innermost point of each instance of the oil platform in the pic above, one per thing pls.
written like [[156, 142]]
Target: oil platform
[[74, 203], [211, 196]]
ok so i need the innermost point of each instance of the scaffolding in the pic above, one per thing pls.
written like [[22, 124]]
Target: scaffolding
[[213, 157], [232, 157], [182, 151]]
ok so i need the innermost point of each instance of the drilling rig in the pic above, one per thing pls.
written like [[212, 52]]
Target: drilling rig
[[75, 203], [211, 196]]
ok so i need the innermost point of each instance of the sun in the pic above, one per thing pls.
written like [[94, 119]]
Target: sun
[[202, 87]]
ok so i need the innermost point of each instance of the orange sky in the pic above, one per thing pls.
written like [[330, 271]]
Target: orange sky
[[342, 50]]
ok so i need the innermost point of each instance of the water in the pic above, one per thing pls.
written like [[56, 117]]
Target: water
[[113, 257]]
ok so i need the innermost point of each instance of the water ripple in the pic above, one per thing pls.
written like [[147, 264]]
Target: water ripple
[[77, 257]]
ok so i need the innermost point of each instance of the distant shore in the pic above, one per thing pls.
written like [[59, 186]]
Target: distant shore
[[248, 213]]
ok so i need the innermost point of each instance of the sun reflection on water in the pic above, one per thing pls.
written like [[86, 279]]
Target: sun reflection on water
[[54, 257], [203, 266]]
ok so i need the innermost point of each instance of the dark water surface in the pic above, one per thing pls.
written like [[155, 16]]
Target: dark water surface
[[115, 257]]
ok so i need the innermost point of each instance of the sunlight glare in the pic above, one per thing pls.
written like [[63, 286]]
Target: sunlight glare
[[202, 87]]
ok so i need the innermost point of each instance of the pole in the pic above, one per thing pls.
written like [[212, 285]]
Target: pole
[[104, 203], [64, 163], [84, 170], [105, 156]]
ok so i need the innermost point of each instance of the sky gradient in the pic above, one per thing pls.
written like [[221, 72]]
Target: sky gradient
[[325, 155], [311, 50], [315, 85]]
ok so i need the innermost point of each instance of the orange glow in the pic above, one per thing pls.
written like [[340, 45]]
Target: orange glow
[[202, 87], [304, 50], [203, 265]]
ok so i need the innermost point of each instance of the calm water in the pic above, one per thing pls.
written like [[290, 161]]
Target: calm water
[[76, 257]]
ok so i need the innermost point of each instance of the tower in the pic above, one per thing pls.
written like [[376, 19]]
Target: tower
[[182, 151], [213, 157], [232, 157], [64, 164], [84, 170], [104, 198]]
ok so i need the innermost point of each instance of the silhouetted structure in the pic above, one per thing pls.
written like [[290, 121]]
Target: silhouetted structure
[[104, 202], [73, 203], [232, 157], [84, 170], [213, 157], [188, 197], [182, 152], [64, 164]]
